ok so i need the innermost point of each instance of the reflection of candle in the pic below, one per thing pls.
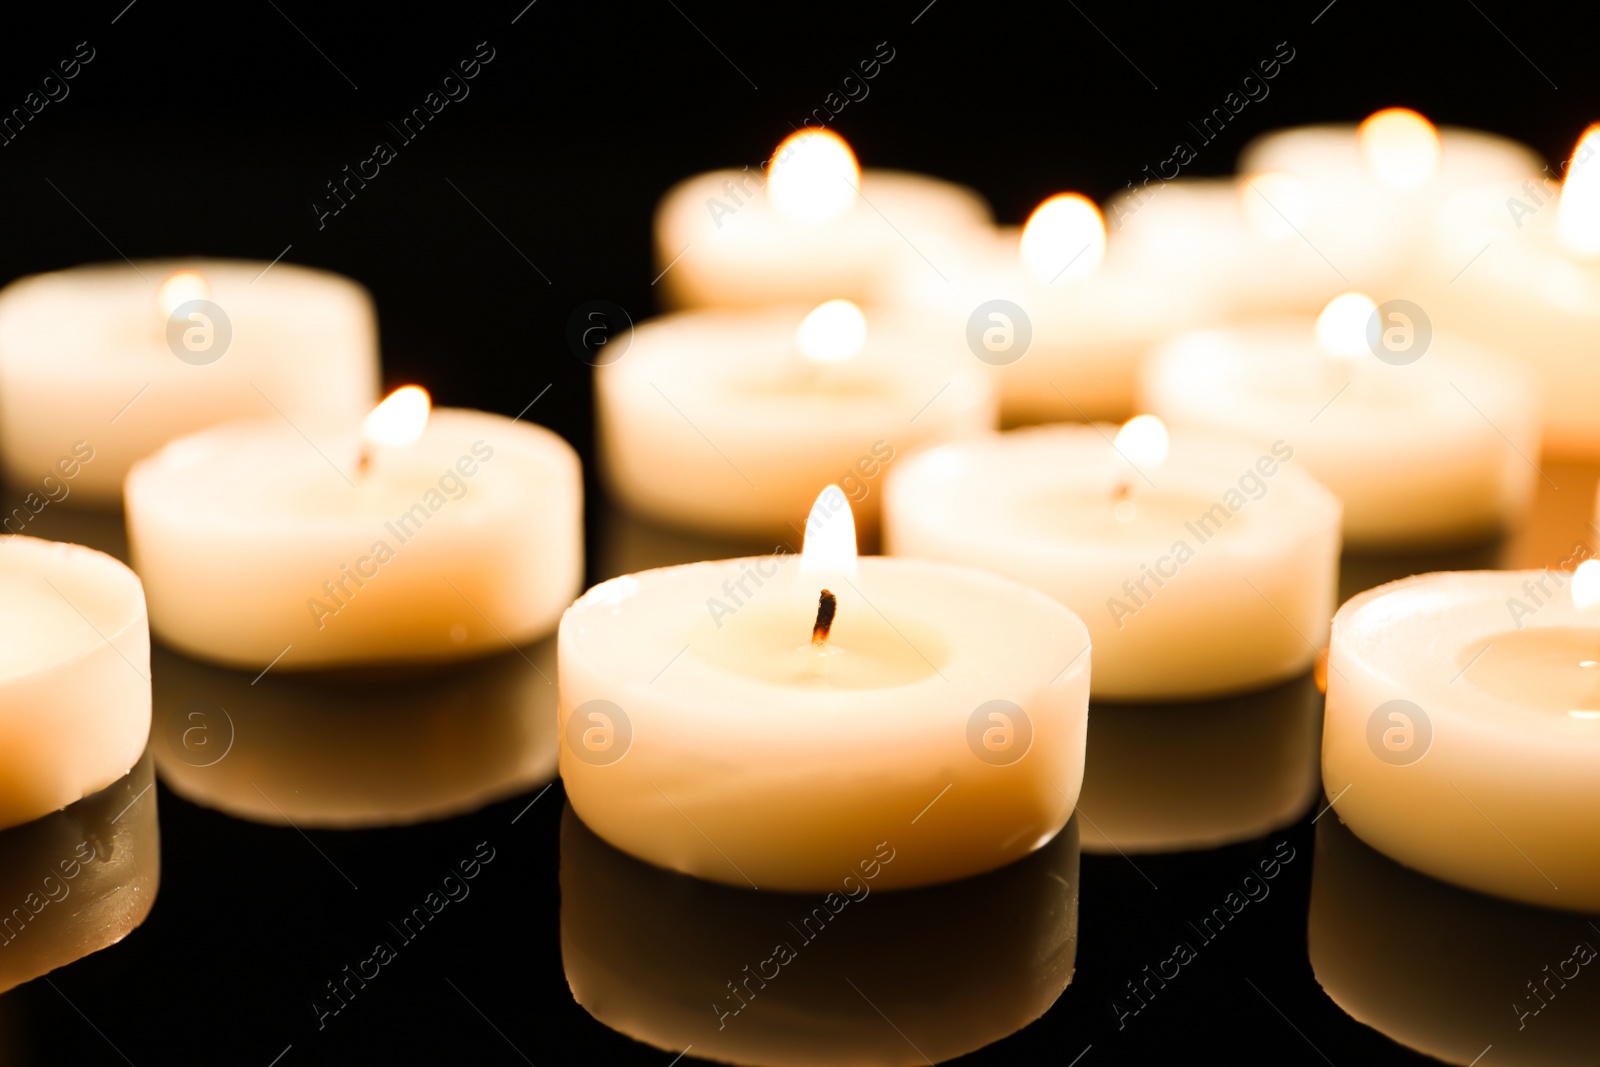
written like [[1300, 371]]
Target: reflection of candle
[[1518, 266], [703, 731], [127, 358], [728, 421], [1064, 330], [1417, 980], [645, 951], [1463, 729], [1165, 778], [79, 880], [1426, 438], [428, 539], [337, 750], [74, 675], [816, 227], [1208, 573]]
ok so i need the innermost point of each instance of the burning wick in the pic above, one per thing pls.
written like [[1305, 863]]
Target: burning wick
[[827, 606]]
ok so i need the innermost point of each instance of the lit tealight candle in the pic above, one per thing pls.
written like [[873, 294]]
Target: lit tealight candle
[[74, 675], [111, 361], [743, 722], [1396, 150], [426, 537], [1517, 264], [1265, 243], [1044, 306], [813, 226], [1354, 391], [1201, 573], [728, 421], [1463, 729]]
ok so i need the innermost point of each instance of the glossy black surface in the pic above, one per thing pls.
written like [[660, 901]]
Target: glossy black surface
[[202, 128]]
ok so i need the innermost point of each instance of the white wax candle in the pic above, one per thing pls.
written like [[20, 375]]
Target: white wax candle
[[1165, 778], [1064, 331], [1519, 982], [101, 365], [78, 880], [721, 421], [813, 228], [1515, 265], [255, 544], [1261, 244], [1207, 573], [647, 951], [74, 675], [1463, 731], [345, 750], [706, 730], [1436, 451], [1396, 151]]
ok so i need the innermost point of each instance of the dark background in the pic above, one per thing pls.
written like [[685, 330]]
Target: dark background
[[209, 131]]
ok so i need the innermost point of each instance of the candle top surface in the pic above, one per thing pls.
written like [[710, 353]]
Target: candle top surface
[[249, 472], [1277, 372], [1072, 493], [98, 311], [729, 637], [61, 601], [1510, 647]]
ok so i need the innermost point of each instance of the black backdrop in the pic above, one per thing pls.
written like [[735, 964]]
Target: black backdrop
[[203, 129]]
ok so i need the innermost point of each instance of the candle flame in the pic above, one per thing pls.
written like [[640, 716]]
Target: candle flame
[[1342, 326], [833, 332], [1400, 147], [1586, 585], [180, 287], [830, 542], [1578, 217], [400, 418], [1276, 204], [1143, 441], [814, 177], [1065, 237]]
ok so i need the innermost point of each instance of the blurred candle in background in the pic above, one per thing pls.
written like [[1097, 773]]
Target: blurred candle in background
[[101, 365], [805, 226]]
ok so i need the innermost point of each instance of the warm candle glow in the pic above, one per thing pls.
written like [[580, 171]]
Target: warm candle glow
[[1586, 585], [1342, 326], [830, 539], [399, 419], [179, 288], [1275, 204], [1400, 147], [1143, 441], [814, 177], [1065, 237], [834, 332], [1578, 217]]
